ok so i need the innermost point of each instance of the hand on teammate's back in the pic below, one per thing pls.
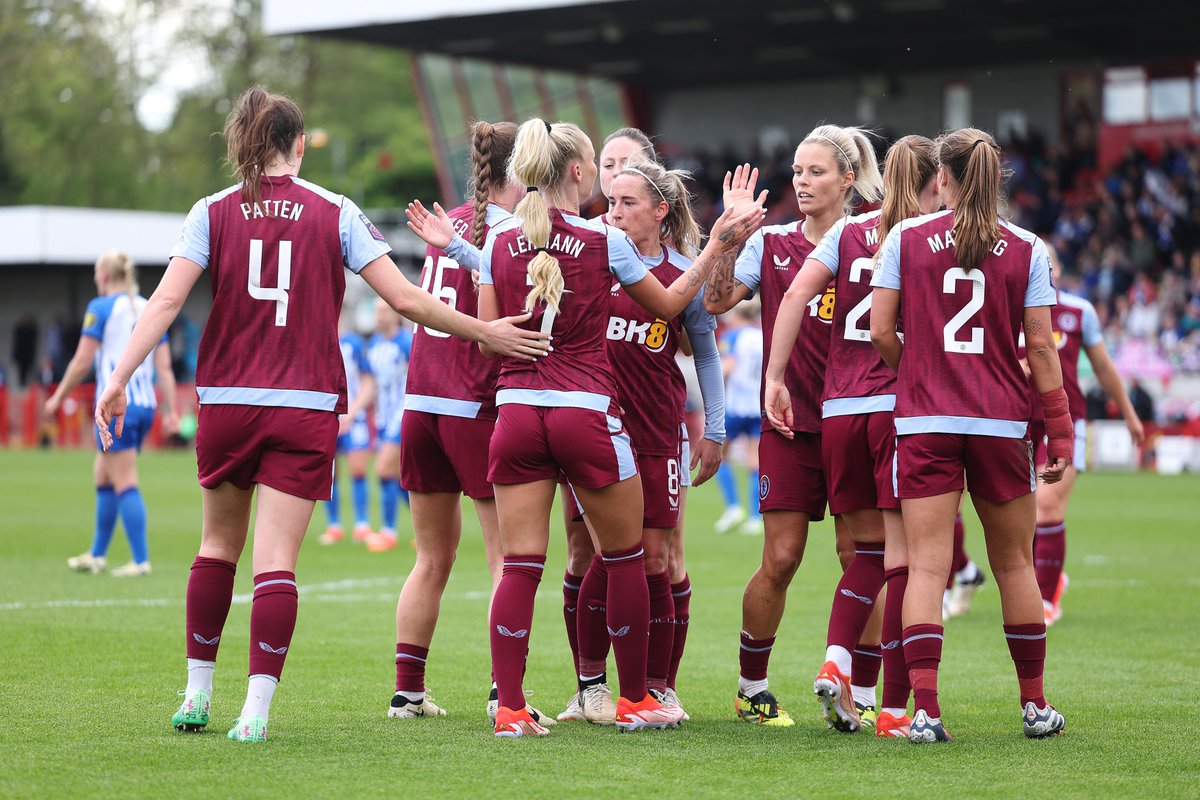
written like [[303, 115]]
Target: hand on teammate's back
[[506, 339]]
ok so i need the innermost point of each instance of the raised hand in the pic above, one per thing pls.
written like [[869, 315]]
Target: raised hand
[[506, 339], [435, 228], [735, 225], [739, 186]]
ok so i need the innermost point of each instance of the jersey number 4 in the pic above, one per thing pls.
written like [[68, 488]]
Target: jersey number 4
[[277, 293]]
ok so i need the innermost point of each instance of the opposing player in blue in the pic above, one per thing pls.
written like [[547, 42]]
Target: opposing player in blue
[[741, 347], [106, 328], [388, 351], [354, 439]]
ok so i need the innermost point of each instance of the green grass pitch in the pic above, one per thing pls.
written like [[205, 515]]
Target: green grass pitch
[[89, 668]]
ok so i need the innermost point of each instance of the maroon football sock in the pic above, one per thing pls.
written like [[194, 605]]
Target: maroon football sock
[[662, 631], [923, 653], [629, 618], [681, 594], [753, 657], [272, 621], [571, 584], [866, 661], [592, 618], [410, 667], [209, 593], [1027, 646], [1049, 552], [511, 620], [959, 559], [895, 671], [855, 597]]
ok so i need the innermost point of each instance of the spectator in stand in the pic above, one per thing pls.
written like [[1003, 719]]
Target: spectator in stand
[[24, 346]]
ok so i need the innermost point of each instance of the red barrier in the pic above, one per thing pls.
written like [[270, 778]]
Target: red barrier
[[4, 422]]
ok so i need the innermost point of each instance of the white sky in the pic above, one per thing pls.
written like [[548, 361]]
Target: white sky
[[170, 66]]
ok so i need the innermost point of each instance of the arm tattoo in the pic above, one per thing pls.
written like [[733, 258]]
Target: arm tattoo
[[721, 282], [1033, 326]]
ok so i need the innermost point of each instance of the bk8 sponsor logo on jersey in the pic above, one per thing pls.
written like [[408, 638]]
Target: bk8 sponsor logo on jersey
[[651, 335], [821, 306]]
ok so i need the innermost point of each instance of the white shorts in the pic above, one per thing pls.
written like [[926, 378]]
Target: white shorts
[[685, 456]]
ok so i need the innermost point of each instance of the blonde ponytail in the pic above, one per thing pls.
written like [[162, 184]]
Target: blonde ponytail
[[541, 154], [909, 166], [972, 158]]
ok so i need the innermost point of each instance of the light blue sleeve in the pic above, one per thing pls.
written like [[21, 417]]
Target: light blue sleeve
[[828, 249], [96, 316], [887, 268], [193, 240], [485, 259], [465, 253], [1092, 335], [406, 341], [362, 242], [696, 321], [748, 267], [712, 384], [1040, 290], [624, 262]]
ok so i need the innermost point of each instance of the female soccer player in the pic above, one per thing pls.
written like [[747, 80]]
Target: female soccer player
[[857, 434], [449, 414], [1076, 327], [561, 415], [828, 165], [965, 283], [269, 379], [650, 204], [107, 324], [354, 440], [388, 352]]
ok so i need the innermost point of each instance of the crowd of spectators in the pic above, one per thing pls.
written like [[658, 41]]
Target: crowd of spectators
[[1128, 236]]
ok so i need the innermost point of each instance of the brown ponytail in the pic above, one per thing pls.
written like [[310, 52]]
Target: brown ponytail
[[972, 159], [491, 147], [260, 127], [908, 167]]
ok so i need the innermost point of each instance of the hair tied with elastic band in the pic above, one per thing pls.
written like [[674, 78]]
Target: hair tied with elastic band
[[984, 141], [529, 189], [547, 124], [537, 250]]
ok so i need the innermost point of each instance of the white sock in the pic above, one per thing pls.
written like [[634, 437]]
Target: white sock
[[898, 713], [840, 656], [258, 696], [413, 697], [863, 695], [200, 675], [751, 688]]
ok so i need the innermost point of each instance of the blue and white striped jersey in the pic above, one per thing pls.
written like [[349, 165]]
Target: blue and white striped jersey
[[388, 357]]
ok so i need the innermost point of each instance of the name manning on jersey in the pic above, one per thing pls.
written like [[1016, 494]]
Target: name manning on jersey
[[940, 241], [283, 209], [559, 243]]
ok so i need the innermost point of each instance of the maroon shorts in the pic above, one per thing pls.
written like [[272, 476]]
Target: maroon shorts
[[535, 443], [661, 478], [790, 474], [289, 449], [440, 453], [930, 464], [857, 451]]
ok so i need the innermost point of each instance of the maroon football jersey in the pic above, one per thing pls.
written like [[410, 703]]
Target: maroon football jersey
[[591, 257], [641, 349], [767, 265], [277, 283], [446, 374], [857, 381], [1076, 326], [959, 372]]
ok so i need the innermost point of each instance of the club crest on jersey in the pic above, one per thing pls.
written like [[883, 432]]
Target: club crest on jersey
[[781, 263], [1067, 322], [764, 487], [375, 234], [652, 335]]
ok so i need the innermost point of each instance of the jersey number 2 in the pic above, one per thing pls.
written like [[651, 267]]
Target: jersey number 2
[[278, 293], [949, 334], [860, 267]]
